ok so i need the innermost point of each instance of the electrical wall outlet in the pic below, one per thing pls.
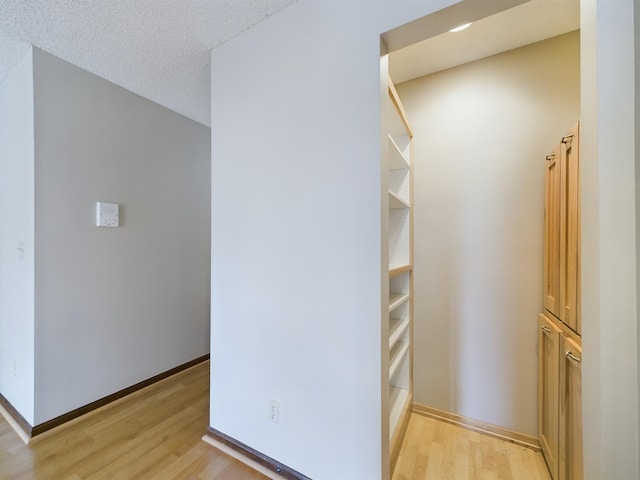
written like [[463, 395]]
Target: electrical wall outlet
[[274, 411], [15, 369]]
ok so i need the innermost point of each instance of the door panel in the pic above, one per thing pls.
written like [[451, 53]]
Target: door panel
[[570, 225], [570, 452], [552, 244], [548, 367]]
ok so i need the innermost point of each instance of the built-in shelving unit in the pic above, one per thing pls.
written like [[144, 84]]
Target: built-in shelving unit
[[397, 355], [396, 202], [395, 270], [399, 397], [397, 299], [398, 181], [397, 328]]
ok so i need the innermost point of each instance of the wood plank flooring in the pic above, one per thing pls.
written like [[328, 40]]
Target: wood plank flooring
[[155, 434], [436, 450]]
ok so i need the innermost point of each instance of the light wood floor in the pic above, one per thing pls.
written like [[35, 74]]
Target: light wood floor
[[436, 450], [156, 434]]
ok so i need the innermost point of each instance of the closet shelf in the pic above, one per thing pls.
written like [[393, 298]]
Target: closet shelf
[[397, 299], [396, 356], [397, 328], [396, 202], [397, 160], [397, 399], [396, 269]]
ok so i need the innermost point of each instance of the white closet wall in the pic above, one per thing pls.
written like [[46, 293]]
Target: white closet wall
[[482, 133]]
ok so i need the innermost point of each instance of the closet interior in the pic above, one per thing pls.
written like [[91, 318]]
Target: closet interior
[[471, 341]]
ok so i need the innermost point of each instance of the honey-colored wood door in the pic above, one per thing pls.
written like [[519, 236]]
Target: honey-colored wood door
[[548, 369], [552, 244], [570, 228], [570, 438]]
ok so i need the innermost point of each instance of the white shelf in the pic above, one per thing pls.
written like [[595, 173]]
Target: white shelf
[[396, 202], [398, 171], [397, 328], [397, 299], [399, 236], [397, 160], [397, 354], [396, 269], [397, 399]]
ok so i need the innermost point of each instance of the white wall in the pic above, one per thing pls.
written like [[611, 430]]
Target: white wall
[[296, 128], [482, 133], [609, 256], [115, 306], [636, 26], [17, 231], [296, 264]]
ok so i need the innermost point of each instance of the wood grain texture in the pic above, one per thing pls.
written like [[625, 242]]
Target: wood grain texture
[[401, 430], [548, 390], [570, 455], [394, 272], [552, 225], [562, 231], [272, 465], [154, 434], [395, 99], [437, 450], [485, 428], [78, 412], [20, 421], [570, 233]]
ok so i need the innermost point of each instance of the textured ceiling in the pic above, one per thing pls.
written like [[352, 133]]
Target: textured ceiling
[[158, 49], [522, 25]]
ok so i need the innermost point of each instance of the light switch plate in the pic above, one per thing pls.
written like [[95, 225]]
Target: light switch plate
[[107, 214]]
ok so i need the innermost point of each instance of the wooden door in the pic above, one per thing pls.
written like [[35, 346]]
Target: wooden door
[[552, 244], [548, 369], [570, 438], [570, 229]]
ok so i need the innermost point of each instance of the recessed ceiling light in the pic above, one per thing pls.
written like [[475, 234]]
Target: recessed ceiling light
[[461, 27]]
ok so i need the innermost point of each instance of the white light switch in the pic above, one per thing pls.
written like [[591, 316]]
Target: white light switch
[[107, 214]]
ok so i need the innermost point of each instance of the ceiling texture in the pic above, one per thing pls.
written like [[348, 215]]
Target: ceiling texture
[[159, 49]]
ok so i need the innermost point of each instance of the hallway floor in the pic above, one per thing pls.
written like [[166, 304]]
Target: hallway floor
[[155, 434]]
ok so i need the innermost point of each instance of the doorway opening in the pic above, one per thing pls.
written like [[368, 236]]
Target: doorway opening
[[486, 106]]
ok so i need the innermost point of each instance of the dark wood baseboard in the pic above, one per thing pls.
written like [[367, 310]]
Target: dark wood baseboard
[[16, 415], [256, 456], [485, 428], [73, 414]]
